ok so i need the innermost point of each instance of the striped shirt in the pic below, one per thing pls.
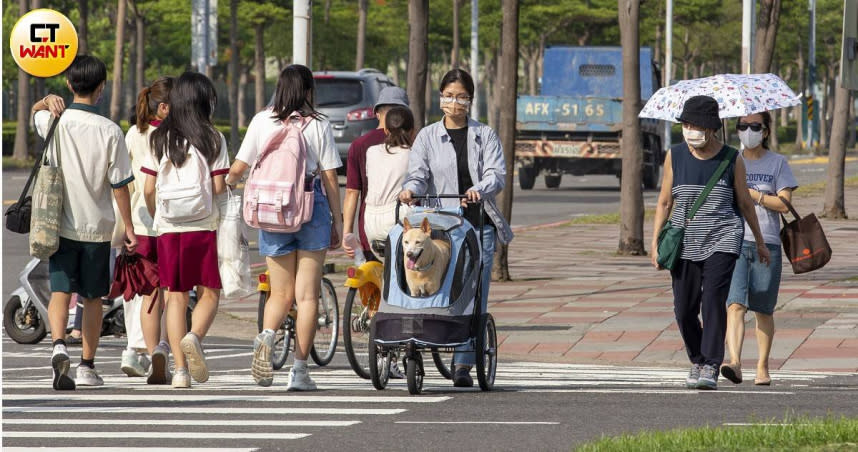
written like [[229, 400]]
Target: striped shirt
[[718, 226]]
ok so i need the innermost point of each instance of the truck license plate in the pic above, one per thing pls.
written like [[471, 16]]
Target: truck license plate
[[567, 150]]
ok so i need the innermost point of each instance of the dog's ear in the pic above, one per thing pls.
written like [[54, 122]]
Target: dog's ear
[[406, 225], [425, 226]]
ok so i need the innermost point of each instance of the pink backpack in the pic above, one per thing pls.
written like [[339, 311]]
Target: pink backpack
[[275, 196]]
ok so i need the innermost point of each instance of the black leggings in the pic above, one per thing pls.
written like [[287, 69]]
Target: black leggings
[[703, 287]]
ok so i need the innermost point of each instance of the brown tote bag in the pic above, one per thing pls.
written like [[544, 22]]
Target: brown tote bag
[[804, 242]]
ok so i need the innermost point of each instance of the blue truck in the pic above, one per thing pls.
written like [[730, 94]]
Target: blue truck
[[575, 125]]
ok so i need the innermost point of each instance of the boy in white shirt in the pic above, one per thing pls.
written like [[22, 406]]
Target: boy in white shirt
[[96, 168]]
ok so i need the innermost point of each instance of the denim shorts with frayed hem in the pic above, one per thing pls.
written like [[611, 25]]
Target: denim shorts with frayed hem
[[314, 235], [755, 285]]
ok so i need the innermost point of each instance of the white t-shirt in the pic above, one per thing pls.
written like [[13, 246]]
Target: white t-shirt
[[769, 174], [385, 173], [321, 148], [218, 168], [94, 162], [140, 152]]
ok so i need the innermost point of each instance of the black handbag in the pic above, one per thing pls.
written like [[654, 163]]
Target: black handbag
[[18, 214]]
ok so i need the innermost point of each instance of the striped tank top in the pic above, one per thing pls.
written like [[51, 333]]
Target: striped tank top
[[718, 226]]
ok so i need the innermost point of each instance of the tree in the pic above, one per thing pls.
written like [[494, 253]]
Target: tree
[[140, 53], [454, 54], [508, 92], [834, 206], [233, 74], [418, 61], [118, 57], [22, 127], [361, 33], [631, 196], [83, 28], [767, 30]]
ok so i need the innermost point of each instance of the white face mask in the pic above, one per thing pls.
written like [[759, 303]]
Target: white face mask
[[750, 139], [694, 138]]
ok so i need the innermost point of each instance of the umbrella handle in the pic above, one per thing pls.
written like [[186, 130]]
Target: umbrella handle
[[154, 300]]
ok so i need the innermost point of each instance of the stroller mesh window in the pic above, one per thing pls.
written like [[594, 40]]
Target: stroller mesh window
[[466, 263]]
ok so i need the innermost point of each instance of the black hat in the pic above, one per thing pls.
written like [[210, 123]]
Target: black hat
[[701, 111]]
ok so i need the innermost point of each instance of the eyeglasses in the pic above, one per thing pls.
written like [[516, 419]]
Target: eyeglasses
[[462, 99], [755, 126]]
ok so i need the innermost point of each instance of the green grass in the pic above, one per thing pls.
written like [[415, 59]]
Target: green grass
[[799, 435], [608, 218], [819, 187], [9, 163]]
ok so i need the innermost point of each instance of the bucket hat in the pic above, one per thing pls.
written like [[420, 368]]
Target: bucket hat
[[391, 95], [701, 111]]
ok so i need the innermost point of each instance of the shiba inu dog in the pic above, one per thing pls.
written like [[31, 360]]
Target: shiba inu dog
[[425, 259]]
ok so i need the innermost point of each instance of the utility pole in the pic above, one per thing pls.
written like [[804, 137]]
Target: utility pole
[[668, 62], [475, 56], [300, 32], [748, 29]]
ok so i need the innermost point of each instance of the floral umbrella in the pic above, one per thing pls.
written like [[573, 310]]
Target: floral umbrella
[[737, 95]]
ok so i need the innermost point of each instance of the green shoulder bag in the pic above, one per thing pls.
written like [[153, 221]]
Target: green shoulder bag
[[670, 237]]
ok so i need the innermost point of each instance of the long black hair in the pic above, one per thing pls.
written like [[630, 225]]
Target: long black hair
[[192, 101], [295, 89], [399, 123]]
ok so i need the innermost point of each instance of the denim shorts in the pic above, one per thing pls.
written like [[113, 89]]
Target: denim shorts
[[755, 285], [314, 235]]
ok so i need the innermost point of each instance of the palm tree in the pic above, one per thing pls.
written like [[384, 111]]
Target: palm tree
[[418, 62], [631, 196], [508, 84]]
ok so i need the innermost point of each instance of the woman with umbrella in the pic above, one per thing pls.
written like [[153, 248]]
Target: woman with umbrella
[[713, 236]]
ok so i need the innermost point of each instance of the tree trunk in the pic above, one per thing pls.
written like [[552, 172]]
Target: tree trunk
[[232, 75], [242, 95], [141, 49], [418, 48], [490, 57], [129, 95], [826, 107], [834, 206], [22, 126], [850, 141], [799, 114], [83, 27], [39, 82], [361, 34], [508, 83], [119, 45], [631, 196], [259, 69], [454, 55], [767, 30], [773, 135]]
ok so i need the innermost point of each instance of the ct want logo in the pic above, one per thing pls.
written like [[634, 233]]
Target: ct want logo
[[43, 43]]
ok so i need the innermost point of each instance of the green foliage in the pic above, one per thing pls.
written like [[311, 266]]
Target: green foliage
[[806, 435]]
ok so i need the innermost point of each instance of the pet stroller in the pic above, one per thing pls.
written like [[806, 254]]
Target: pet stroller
[[409, 326]]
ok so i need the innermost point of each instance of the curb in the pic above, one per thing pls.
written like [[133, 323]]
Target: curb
[[817, 160]]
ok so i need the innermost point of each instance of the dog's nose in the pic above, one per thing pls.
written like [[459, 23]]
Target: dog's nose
[[409, 254]]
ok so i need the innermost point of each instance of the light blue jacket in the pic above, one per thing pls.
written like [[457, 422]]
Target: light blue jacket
[[432, 168]]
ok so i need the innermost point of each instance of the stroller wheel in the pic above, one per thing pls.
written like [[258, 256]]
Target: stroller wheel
[[414, 372], [443, 368], [486, 351], [379, 365]]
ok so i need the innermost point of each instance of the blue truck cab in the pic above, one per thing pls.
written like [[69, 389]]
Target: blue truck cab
[[575, 125]]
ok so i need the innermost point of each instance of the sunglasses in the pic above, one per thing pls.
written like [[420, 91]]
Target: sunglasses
[[755, 126]]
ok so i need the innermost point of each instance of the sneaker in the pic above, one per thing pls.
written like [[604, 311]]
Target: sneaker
[[299, 380], [196, 359], [181, 379], [131, 364], [160, 374], [145, 362], [732, 373], [395, 371], [87, 376], [462, 377], [260, 367], [693, 376], [60, 365], [708, 377]]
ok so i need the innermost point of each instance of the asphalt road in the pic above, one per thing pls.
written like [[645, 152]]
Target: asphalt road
[[534, 407], [576, 196]]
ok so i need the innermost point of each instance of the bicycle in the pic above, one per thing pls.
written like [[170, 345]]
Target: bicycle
[[365, 281], [327, 325]]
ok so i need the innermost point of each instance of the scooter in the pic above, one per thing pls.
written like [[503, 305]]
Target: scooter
[[26, 312]]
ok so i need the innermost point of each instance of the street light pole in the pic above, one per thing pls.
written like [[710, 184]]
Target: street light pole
[[300, 31], [475, 56], [668, 62], [748, 23]]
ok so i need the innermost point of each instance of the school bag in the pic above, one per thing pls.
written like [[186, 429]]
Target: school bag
[[184, 193], [277, 196]]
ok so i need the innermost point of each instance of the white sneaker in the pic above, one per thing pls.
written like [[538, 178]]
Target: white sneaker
[[131, 364], [395, 371], [159, 374], [87, 376], [181, 379], [60, 366], [193, 351], [299, 380], [260, 366]]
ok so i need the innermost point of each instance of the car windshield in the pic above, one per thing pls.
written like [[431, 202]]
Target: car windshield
[[332, 92]]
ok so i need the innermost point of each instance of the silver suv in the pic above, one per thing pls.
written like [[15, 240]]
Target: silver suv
[[347, 99]]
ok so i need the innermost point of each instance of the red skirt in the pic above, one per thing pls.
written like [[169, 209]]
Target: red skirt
[[188, 259]]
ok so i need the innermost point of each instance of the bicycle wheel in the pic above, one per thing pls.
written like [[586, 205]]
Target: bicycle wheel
[[327, 326], [445, 370], [356, 334], [282, 343]]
